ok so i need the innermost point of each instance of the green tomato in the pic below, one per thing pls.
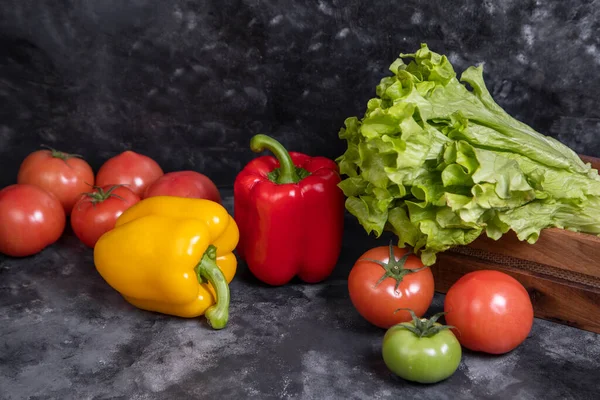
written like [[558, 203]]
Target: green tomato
[[421, 351]]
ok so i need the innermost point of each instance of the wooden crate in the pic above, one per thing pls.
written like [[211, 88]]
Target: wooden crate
[[561, 271]]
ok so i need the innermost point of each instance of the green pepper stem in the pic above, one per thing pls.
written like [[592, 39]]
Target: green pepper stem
[[287, 169], [217, 315]]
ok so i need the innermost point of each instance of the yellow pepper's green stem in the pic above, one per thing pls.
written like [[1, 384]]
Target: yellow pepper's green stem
[[208, 270]]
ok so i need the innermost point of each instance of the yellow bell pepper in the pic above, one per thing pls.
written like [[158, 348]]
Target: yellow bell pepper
[[172, 255]]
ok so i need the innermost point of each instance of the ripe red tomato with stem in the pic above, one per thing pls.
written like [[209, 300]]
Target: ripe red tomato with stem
[[184, 184], [490, 310], [96, 212], [135, 170], [31, 219], [63, 174], [387, 278]]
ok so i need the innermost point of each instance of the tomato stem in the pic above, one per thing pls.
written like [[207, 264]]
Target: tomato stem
[[423, 327], [61, 154], [99, 195], [394, 268]]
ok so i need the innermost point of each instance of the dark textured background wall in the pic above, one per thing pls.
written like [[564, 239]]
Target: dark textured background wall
[[189, 82]]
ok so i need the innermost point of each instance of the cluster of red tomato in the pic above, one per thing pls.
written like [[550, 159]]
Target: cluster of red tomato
[[486, 311], [53, 185]]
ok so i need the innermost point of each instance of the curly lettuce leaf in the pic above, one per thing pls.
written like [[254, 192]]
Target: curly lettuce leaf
[[438, 162]]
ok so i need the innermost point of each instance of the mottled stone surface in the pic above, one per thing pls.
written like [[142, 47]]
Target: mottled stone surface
[[188, 82], [65, 334]]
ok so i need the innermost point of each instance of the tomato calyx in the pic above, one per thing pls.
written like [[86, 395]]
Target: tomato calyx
[[394, 268], [423, 327], [61, 154], [99, 195]]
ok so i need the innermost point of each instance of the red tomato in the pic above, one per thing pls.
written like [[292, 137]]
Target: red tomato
[[378, 301], [135, 170], [184, 184], [96, 212], [30, 220], [492, 311], [65, 175]]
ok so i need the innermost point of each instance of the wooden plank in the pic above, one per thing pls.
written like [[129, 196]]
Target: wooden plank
[[560, 271], [553, 298], [572, 251], [592, 160]]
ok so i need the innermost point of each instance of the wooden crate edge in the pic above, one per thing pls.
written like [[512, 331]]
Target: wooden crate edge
[[553, 299], [563, 249]]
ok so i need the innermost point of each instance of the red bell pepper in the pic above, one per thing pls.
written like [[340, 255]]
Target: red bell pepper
[[290, 213]]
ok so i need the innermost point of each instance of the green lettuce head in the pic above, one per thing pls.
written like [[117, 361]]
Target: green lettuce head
[[439, 163]]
